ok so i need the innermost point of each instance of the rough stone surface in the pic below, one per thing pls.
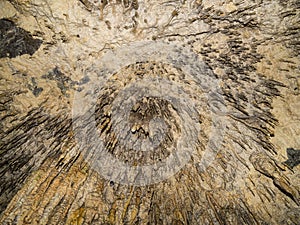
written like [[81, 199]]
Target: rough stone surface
[[16, 41], [247, 57]]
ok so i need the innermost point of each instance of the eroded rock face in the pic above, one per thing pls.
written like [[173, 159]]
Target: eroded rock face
[[16, 41], [136, 112]]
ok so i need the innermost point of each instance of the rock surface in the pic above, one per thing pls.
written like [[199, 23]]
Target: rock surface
[[203, 95], [15, 41]]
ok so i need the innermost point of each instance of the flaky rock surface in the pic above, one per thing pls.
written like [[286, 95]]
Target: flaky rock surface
[[217, 80]]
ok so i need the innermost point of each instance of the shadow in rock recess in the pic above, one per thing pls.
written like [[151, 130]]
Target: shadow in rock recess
[[15, 41]]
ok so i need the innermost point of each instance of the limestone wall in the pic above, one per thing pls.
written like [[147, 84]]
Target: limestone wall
[[149, 112]]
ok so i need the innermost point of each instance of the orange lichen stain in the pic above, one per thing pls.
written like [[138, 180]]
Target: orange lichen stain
[[127, 203], [77, 217], [112, 214], [133, 214], [178, 215]]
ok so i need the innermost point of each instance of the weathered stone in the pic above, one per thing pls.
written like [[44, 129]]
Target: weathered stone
[[293, 157], [212, 83], [15, 41]]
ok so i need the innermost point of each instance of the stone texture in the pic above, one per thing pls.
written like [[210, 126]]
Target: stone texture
[[250, 49], [16, 41]]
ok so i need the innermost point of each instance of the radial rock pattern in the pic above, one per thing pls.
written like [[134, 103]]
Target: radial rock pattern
[[152, 115]]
